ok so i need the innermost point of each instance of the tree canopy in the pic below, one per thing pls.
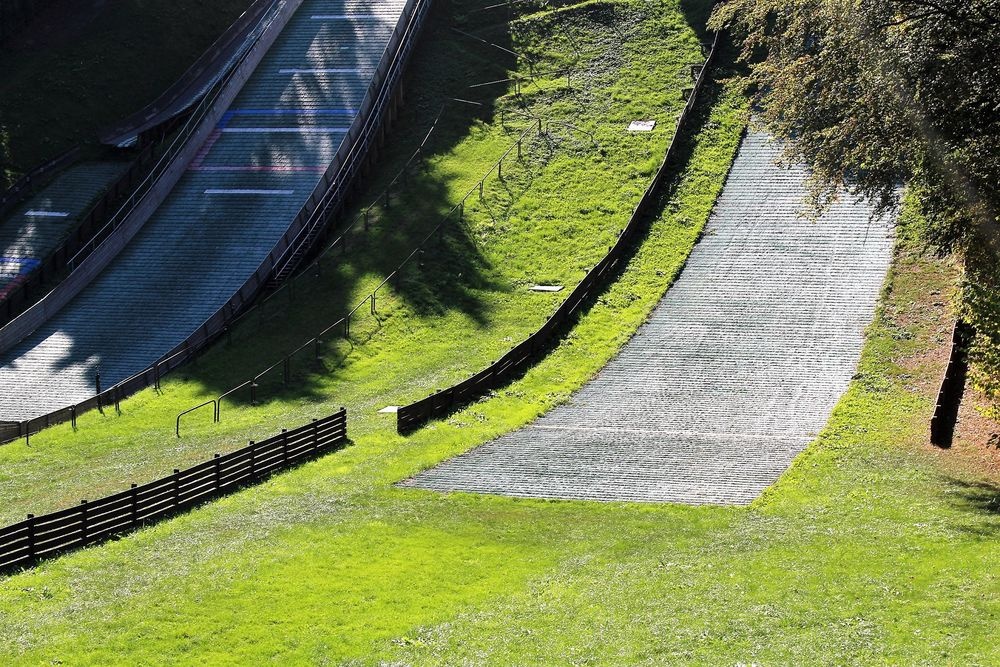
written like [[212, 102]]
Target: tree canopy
[[879, 93]]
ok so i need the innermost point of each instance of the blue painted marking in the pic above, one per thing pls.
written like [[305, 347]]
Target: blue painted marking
[[27, 264]]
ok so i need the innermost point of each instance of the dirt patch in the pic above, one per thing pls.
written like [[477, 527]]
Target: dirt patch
[[973, 434], [922, 305]]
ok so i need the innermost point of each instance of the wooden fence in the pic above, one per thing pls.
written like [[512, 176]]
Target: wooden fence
[[37, 537], [518, 360]]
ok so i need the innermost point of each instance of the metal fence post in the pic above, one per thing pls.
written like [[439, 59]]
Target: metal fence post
[[315, 434], [218, 472], [284, 447], [177, 487]]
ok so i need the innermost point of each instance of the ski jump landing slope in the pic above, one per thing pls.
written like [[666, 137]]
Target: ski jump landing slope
[[738, 368], [238, 196]]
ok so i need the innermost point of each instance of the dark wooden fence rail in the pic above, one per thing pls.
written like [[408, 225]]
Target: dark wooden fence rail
[[37, 537], [952, 386], [309, 351], [514, 363]]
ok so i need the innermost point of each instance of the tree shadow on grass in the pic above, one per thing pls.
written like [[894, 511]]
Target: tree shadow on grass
[[451, 273], [981, 499]]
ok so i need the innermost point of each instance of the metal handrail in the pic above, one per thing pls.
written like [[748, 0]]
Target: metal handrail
[[373, 101], [215, 411]]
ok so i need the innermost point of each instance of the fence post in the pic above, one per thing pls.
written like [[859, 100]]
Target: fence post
[[253, 463], [284, 447], [31, 537], [134, 497], [97, 384], [218, 473], [83, 520], [315, 434], [253, 393], [177, 487], [72, 416]]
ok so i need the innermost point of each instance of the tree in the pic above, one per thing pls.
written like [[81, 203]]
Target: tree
[[878, 93]]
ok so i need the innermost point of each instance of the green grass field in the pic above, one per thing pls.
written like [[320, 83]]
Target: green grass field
[[865, 552], [68, 78], [554, 214]]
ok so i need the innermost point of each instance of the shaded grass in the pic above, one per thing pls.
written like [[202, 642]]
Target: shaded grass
[[863, 553]]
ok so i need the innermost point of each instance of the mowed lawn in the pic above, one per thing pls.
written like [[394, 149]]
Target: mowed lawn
[[867, 551]]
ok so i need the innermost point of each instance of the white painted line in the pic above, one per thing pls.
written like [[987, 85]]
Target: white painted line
[[305, 129], [320, 70], [349, 17], [246, 191], [47, 214]]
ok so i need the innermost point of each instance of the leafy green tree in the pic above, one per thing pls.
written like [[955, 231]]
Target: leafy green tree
[[877, 93]]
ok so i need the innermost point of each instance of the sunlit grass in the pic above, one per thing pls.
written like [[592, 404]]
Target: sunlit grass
[[554, 215]]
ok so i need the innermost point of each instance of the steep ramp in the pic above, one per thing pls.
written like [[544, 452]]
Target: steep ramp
[[237, 198], [737, 370]]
